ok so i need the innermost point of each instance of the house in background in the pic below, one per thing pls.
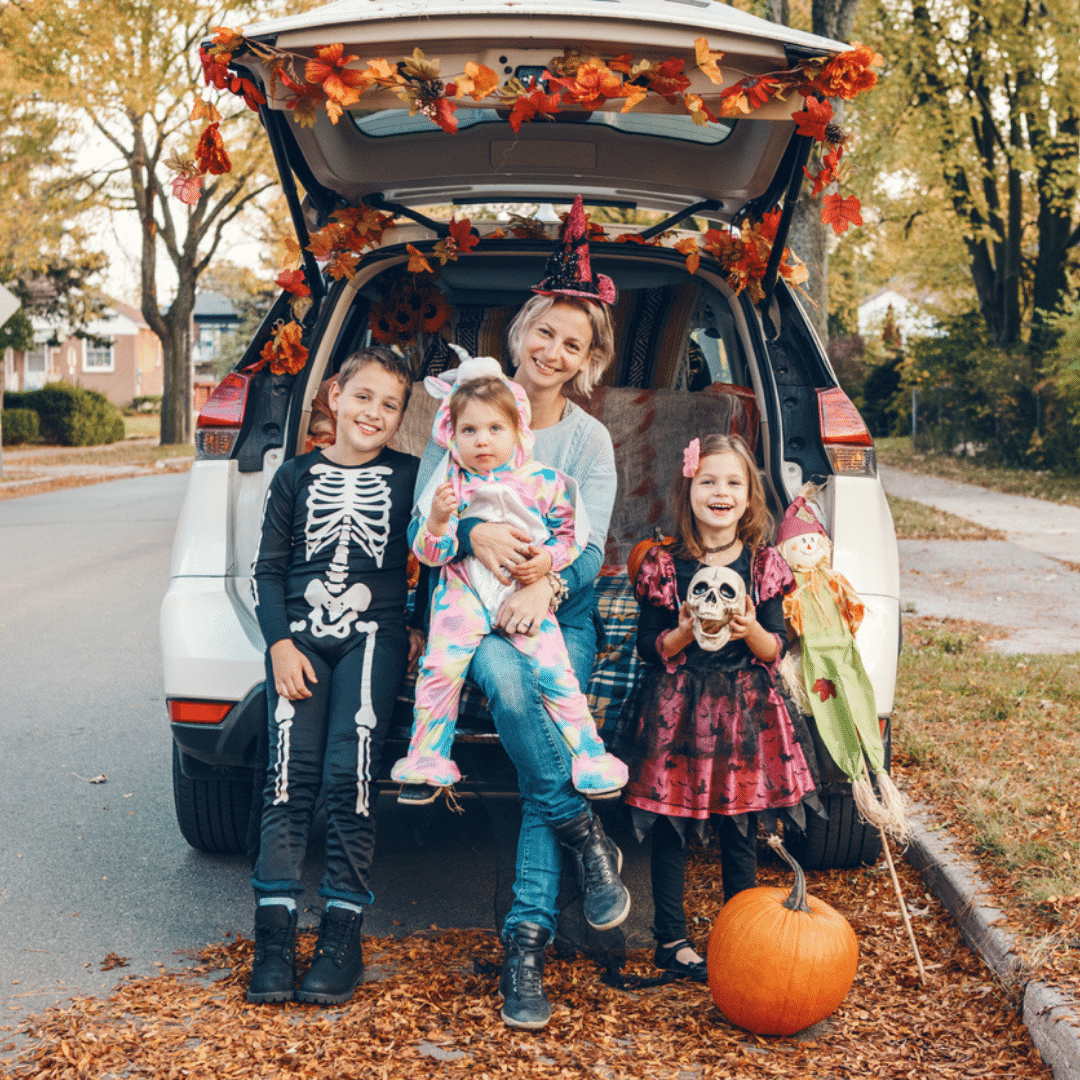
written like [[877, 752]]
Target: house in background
[[909, 308], [215, 320], [124, 363]]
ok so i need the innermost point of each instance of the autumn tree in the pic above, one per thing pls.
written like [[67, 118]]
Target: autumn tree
[[130, 71], [978, 126], [47, 257]]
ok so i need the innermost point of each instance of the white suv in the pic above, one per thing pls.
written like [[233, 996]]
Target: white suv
[[692, 355]]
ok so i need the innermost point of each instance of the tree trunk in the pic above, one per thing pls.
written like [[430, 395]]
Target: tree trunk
[[809, 236], [1057, 195], [809, 239], [176, 397]]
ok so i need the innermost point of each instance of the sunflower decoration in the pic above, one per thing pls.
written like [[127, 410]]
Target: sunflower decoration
[[412, 310]]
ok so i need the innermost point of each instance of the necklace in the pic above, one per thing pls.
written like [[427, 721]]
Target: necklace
[[722, 547]]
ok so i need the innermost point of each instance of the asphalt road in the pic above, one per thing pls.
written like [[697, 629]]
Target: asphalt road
[[90, 869]]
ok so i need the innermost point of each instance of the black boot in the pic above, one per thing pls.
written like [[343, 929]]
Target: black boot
[[338, 963], [604, 900], [273, 975], [525, 1005]]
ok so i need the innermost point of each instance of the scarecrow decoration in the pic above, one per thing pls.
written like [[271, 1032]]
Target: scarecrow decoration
[[825, 612]]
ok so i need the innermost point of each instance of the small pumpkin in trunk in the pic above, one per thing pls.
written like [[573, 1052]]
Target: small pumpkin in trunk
[[777, 963], [640, 550]]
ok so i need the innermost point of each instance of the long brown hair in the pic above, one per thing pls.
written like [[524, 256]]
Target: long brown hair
[[755, 526]]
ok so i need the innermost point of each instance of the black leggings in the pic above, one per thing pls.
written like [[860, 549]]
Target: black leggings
[[738, 866], [339, 731]]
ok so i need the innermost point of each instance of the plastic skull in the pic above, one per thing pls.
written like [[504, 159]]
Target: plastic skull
[[716, 593], [807, 551]]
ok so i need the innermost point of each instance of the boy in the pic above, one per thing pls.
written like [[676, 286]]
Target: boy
[[330, 587]]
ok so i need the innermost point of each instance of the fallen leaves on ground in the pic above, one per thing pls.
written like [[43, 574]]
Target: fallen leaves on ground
[[991, 744], [428, 1013]]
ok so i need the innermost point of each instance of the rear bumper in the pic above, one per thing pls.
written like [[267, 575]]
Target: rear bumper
[[232, 744]]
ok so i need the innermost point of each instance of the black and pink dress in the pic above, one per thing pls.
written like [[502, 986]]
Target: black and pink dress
[[714, 735]]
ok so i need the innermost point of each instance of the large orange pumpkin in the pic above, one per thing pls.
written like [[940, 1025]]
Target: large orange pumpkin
[[777, 963]]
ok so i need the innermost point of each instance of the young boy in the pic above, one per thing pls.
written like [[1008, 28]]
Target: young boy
[[330, 587]]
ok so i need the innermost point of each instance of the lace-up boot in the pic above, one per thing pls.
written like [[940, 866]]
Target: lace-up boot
[[604, 898], [525, 1005], [273, 975], [338, 962]]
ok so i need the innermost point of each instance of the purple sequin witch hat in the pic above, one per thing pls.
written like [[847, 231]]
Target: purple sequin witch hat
[[569, 270]]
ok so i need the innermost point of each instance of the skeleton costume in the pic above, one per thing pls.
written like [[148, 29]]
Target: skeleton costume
[[714, 735], [468, 596], [330, 573]]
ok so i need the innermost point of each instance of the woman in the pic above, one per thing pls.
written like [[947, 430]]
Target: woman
[[560, 337]]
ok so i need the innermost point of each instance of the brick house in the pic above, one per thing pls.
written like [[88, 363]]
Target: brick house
[[127, 364]]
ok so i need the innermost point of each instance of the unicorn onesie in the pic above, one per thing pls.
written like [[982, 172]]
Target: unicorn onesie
[[466, 601]]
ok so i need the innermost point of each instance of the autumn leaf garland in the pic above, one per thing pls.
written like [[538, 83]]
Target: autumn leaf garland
[[340, 246], [330, 80]]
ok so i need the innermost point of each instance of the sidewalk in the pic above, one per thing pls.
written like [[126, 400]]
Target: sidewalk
[[1047, 528], [36, 469], [1027, 583]]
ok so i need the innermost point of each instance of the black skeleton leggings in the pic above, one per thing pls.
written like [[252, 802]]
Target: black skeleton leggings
[[337, 733]]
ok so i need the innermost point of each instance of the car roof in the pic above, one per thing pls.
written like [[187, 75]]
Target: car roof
[[700, 16], [653, 157]]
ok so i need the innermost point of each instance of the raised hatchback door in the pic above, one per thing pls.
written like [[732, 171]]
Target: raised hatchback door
[[653, 156]]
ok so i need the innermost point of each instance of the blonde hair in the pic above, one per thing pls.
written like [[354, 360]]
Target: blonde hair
[[489, 390], [754, 527], [602, 349]]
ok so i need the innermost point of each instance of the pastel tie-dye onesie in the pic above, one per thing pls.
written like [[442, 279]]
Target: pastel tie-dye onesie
[[464, 607]]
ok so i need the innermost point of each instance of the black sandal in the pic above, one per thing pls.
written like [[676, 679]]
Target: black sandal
[[665, 957]]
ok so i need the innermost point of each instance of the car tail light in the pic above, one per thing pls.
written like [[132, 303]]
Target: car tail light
[[846, 438], [221, 418], [198, 712]]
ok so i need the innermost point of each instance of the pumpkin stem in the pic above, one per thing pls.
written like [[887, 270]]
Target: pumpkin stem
[[797, 900]]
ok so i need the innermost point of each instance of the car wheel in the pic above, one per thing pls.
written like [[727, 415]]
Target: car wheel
[[212, 814], [844, 840]]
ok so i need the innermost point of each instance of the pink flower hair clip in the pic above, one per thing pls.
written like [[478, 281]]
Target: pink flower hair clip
[[690, 458]]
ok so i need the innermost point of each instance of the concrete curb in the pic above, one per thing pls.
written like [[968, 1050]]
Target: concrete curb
[[957, 885]]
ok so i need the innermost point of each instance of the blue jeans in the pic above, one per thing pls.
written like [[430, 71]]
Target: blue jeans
[[543, 765]]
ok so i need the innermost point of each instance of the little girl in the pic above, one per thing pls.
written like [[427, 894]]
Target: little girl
[[714, 736], [484, 424]]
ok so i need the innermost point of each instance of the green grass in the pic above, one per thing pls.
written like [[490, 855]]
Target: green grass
[[914, 521], [142, 426], [995, 742], [1039, 484]]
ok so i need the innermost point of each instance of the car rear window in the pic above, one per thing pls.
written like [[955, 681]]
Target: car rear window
[[385, 123]]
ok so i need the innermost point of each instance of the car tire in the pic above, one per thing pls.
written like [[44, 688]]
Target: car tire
[[844, 840], [213, 814]]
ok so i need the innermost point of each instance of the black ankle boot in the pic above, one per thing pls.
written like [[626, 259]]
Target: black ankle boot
[[338, 962], [525, 1005], [273, 975], [604, 900]]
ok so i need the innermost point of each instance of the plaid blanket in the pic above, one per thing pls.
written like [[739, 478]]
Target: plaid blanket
[[611, 689]]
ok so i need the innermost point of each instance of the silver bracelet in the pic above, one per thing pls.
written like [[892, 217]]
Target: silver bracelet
[[559, 590]]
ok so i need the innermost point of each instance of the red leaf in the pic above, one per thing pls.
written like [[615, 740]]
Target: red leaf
[[840, 212], [826, 688], [293, 281], [814, 119]]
